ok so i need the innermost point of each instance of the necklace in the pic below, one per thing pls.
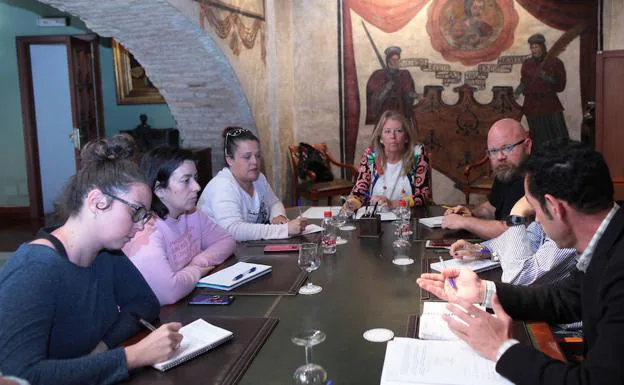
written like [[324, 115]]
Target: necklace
[[384, 185]]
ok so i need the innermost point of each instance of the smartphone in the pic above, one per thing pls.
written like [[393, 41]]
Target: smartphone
[[282, 248], [203, 299]]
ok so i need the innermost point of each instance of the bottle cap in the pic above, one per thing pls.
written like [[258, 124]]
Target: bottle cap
[[327, 214]]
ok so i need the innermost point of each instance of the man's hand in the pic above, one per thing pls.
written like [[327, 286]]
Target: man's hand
[[467, 251], [454, 222], [467, 284], [485, 333], [460, 210]]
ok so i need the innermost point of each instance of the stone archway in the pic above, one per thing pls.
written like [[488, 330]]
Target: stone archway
[[189, 69]]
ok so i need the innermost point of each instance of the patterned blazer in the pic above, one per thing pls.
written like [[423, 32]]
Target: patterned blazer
[[419, 177]]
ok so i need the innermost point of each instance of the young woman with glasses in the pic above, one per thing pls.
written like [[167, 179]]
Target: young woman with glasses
[[181, 244], [239, 197], [67, 301]]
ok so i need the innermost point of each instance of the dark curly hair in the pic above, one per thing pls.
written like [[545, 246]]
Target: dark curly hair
[[571, 171]]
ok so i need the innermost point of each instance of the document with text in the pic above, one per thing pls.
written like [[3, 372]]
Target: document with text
[[410, 361]]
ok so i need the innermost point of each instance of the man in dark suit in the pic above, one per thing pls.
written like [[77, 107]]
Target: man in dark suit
[[569, 186]]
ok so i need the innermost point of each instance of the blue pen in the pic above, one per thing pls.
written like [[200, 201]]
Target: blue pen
[[241, 275], [451, 280]]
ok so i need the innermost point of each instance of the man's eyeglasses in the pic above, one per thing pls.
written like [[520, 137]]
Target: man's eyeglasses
[[505, 150], [139, 212]]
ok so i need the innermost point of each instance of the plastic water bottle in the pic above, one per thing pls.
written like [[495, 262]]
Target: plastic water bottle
[[404, 228], [328, 239], [403, 211]]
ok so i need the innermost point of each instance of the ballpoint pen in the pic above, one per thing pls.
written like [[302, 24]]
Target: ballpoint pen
[[374, 209], [446, 207], [451, 280], [143, 322], [241, 275]]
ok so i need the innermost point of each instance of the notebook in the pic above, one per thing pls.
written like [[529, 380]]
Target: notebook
[[477, 265], [431, 326], [412, 361], [432, 222], [199, 337], [234, 276]]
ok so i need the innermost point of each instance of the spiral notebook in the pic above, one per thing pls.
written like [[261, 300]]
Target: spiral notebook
[[199, 337]]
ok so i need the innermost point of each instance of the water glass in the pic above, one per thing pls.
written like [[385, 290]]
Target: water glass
[[309, 260]]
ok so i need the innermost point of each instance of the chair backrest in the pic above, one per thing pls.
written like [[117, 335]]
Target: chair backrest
[[311, 161]]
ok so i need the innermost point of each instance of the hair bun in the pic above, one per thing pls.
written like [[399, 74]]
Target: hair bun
[[118, 147]]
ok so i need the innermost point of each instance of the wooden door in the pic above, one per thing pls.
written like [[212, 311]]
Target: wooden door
[[86, 100], [85, 93], [610, 114]]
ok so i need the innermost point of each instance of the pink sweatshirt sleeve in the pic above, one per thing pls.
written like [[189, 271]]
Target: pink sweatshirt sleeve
[[148, 253], [216, 243]]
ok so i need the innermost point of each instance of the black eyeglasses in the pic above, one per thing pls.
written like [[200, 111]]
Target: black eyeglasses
[[505, 150], [139, 212]]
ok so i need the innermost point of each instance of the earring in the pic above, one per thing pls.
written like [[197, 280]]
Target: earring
[[381, 141]]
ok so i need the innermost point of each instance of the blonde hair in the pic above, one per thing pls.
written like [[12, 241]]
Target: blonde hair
[[378, 147]]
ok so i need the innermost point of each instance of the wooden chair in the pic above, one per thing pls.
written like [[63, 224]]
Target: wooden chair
[[479, 179], [312, 190]]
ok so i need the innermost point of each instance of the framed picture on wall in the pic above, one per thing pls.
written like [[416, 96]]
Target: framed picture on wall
[[132, 84]]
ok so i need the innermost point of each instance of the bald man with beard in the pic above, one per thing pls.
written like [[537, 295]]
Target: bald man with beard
[[508, 146]]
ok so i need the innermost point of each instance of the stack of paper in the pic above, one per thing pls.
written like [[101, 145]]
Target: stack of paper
[[234, 276], [432, 222], [477, 265], [412, 361]]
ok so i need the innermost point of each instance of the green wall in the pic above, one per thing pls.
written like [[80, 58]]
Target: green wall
[[18, 18]]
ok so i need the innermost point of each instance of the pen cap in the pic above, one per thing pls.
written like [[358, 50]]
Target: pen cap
[[327, 214]]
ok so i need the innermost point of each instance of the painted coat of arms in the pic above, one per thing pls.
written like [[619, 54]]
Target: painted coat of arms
[[471, 31]]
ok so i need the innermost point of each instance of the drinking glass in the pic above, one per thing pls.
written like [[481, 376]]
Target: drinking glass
[[401, 247], [310, 373], [309, 260], [339, 220]]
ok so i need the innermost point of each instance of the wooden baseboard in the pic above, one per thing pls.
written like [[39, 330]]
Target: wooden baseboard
[[14, 214]]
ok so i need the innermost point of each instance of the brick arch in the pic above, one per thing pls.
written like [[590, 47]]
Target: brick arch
[[189, 69]]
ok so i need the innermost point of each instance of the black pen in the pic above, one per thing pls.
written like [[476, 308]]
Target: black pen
[[143, 322], [374, 209]]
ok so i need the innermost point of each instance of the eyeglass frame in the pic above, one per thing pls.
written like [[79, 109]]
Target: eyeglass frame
[[135, 217], [505, 149], [233, 133]]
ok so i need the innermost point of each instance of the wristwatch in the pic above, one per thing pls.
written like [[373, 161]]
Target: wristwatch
[[515, 220]]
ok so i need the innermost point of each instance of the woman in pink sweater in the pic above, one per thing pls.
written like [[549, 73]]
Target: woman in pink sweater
[[182, 244]]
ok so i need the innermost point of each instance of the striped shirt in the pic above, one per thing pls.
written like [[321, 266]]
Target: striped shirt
[[528, 256]]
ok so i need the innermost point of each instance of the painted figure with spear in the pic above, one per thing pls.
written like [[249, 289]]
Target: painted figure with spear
[[543, 75], [389, 88]]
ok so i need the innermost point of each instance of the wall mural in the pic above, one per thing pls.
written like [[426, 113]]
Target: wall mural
[[227, 18], [473, 38]]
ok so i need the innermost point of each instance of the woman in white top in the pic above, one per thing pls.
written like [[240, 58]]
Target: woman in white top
[[393, 168], [239, 198]]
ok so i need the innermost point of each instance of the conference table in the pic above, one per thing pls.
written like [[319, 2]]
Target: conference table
[[362, 290]]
